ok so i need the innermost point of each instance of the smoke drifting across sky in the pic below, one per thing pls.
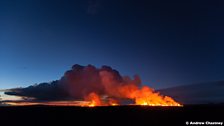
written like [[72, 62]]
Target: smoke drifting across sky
[[78, 83]]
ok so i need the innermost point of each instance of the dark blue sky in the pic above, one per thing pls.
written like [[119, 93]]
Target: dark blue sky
[[167, 43]]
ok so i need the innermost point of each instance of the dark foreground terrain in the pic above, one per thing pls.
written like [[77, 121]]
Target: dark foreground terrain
[[116, 116]]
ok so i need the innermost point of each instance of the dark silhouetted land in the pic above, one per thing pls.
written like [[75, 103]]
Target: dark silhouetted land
[[116, 116]]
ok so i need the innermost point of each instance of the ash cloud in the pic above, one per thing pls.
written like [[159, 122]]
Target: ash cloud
[[78, 82], [43, 91]]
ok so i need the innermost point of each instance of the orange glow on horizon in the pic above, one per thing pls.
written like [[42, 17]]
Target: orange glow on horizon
[[144, 96]]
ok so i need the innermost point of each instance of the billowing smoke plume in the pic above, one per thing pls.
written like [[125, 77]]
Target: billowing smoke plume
[[100, 86], [78, 83], [82, 80]]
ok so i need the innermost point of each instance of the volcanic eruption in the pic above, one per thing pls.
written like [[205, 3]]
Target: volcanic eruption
[[91, 86]]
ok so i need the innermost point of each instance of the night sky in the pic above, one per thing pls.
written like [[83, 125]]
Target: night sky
[[166, 43]]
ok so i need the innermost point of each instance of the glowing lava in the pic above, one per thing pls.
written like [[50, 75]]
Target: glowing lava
[[94, 100], [146, 96], [143, 96]]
